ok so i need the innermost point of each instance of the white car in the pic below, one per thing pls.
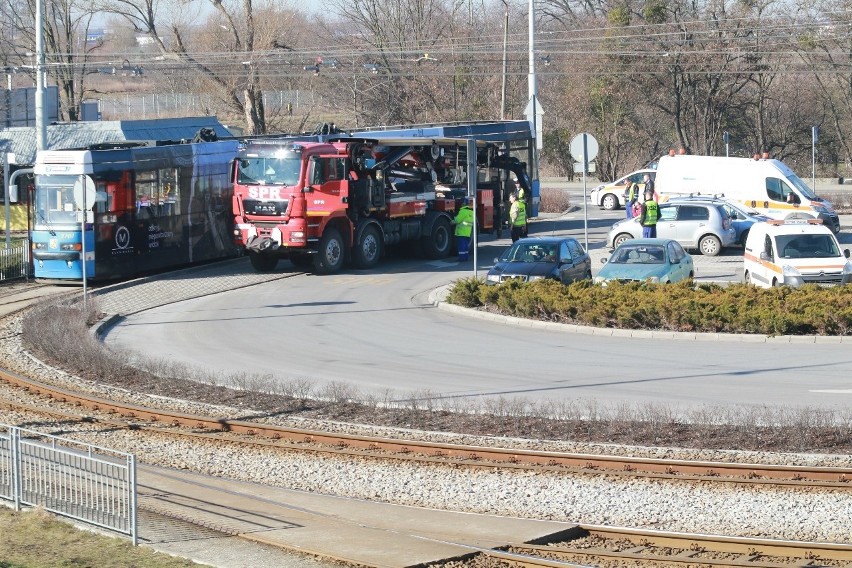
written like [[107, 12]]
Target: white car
[[610, 196], [794, 253]]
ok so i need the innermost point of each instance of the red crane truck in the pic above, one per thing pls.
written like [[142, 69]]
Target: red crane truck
[[323, 203]]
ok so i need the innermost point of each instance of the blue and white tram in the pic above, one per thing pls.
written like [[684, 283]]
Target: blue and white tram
[[147, 206]]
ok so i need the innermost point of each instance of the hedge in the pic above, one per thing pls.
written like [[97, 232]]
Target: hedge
[[685, 306]]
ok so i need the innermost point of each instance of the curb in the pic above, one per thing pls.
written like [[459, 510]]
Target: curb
[[437, 297]]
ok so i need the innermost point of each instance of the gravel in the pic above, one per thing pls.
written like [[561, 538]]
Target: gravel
[[701, 507]]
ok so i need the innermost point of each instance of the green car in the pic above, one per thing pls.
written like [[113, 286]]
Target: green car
[[650, 260]]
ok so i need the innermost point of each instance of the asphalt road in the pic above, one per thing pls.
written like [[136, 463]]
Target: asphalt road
[[377, 331]]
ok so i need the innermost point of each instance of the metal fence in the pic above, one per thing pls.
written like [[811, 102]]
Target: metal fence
[[83, 482], [15, 261]]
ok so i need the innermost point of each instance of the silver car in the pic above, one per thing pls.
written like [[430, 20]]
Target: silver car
[[698, 224]]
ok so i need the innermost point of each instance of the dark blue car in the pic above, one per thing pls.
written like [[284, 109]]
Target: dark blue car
[[534, 258]]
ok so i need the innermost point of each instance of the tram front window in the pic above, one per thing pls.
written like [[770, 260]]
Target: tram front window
[[54, 201]]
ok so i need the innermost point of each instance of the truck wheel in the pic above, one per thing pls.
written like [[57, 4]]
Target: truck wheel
[[330, 255], [609, 202], [368, 252], [439, 242], [710, 245], [301, 260], [263, 262]]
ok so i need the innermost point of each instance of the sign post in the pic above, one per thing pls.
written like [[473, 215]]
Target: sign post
[[814, 137], [472, 178], [584, 149], [8, 159], [84, 197]]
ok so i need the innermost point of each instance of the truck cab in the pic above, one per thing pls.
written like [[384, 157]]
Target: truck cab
[[793, 253]]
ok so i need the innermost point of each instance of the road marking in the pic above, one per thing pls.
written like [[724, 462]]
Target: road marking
[[834, 391]]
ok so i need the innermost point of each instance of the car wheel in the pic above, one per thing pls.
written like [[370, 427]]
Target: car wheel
[[620, 239], [743, 238], [609, 202], [710, 245], [747, 278]]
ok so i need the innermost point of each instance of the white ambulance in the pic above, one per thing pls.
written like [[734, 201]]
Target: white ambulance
[[766, 185], [794, 253]]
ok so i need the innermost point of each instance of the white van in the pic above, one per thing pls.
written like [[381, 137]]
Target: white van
[[794, 253], [768, 186]]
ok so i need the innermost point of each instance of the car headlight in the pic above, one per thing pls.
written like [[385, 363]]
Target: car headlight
[[599, 280], [788, 270], [653, 279], [492, 278], [792, 277], [534, 278], [819, 208], [846, 277]]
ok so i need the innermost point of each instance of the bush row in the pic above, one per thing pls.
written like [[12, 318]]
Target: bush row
[[736, 308]]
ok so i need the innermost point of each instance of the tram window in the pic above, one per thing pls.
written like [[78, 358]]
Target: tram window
[[146, 191], [168, 195]]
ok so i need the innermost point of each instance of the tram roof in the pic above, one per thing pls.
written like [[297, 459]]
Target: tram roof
[[21, 140], [497, 131]]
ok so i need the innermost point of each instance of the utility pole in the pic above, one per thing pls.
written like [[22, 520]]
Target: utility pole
[[505, 41], [41, 126]]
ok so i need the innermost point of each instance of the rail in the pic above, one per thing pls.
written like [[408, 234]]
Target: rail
[[137, 417]]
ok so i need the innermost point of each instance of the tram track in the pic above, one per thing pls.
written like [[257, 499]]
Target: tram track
[[136, 417], [68, 406], [607, 547], [583, 545]]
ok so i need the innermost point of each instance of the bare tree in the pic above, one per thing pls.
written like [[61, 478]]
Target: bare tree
[[408, 63], [247, 34]]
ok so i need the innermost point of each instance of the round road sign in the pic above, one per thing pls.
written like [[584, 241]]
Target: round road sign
[[584, 148]]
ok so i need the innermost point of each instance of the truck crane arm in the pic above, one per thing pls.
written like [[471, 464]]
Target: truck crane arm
[[517, 167]]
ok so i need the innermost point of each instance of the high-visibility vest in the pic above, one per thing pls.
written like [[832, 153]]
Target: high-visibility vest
[[464, 221], [652, 213], [518, 213]]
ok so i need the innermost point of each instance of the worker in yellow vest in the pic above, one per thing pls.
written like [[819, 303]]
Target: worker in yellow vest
[[517, 217], [648, 215], [464, 227]]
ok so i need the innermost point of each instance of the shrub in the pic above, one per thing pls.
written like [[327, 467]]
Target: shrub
[[553, 201], [737, 308]]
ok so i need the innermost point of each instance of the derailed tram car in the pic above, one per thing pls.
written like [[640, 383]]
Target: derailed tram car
[[148, 206]]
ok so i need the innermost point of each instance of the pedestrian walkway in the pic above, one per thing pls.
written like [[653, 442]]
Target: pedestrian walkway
[[350, 530]]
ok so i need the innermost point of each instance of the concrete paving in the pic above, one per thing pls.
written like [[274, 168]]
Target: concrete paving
[[349, 530]]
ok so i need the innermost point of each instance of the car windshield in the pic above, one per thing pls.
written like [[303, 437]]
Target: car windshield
[[531, 252], [639, 254], [807, 246]]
